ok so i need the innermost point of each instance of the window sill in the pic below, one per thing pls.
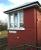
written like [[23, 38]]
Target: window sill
[[21, 28]]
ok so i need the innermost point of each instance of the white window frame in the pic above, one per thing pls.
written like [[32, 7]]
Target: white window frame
[[15, 28]]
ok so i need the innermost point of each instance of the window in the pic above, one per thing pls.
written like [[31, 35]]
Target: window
[[21, 19], [11, 21], [16, 20]]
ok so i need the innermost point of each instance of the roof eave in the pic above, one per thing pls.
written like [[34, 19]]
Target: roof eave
[[23, 7]]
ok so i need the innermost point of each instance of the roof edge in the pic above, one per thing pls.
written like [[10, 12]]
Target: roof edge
[[24, 6]]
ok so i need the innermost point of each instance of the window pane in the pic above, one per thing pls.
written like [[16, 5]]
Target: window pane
[[21, 19], [15, 20], [11, 21]]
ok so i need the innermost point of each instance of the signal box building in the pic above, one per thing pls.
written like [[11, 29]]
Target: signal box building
[[24, 26]]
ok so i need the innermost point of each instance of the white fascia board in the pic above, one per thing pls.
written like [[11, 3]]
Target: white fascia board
[[23, 7]]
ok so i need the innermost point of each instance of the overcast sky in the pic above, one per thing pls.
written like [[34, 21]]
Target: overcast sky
[[9, 4]]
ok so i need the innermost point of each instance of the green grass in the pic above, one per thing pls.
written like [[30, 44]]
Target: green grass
[[3, 34], [3, 40]]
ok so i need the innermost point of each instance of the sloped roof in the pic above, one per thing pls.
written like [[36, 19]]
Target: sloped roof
[[36, 3]]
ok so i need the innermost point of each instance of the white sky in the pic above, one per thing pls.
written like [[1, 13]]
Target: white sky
[[14, 3]]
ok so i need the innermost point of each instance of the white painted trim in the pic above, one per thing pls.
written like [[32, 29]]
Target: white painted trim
[[12, 31], [24, 7], [18, 20], [21, 28], [8, 25]]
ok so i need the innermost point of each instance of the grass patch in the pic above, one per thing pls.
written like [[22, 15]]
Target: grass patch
[[3, 34]]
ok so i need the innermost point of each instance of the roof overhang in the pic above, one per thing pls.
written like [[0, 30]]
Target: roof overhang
[[37, 4]]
